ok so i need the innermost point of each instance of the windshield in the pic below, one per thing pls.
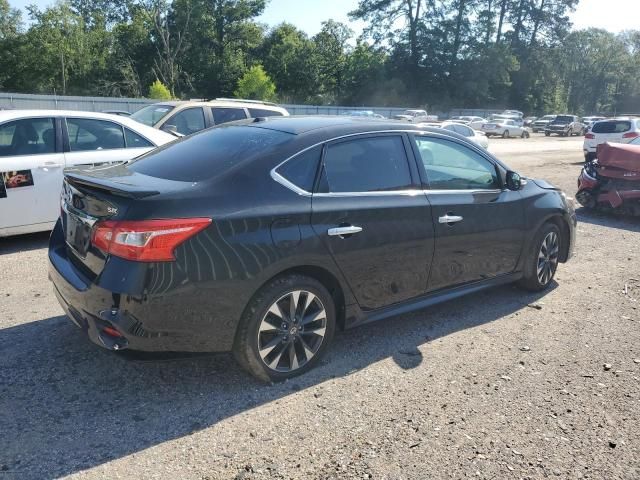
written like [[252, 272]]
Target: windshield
[[548, 117], [563, 119], [152, 114]]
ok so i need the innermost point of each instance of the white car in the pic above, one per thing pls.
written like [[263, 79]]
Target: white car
[[615, 130], [36, 145], [415, 116], [589, 121], [479, 138], [473, 122], [505, 129]]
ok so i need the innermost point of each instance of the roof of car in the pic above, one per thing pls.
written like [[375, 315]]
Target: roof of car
[[218, 101], [298, 125]]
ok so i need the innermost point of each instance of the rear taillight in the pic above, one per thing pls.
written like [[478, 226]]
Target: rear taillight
[[590, 136], [146, 240], [631, 135]]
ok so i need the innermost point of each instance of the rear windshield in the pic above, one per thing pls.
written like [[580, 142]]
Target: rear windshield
[[611, 126], [202, 155]]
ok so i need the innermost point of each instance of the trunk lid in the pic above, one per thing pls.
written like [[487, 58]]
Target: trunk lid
[[91, 195]]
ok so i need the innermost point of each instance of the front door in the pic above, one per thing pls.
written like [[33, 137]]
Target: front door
[[479, 225], [374, 219], [30, 173]]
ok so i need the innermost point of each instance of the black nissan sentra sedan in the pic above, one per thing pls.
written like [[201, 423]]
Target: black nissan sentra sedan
[[264, 237]]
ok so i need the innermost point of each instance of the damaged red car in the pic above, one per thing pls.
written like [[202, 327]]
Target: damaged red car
[[611, 182]]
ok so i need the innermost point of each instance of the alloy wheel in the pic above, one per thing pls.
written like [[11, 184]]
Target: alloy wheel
[[292, 331], [548, 258]]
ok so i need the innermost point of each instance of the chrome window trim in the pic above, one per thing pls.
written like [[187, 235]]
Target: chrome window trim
[[410, 192]]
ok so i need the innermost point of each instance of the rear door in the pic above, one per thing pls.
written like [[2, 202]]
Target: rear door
[[374, 219], [479, 225], [31, 163], [90, 141]]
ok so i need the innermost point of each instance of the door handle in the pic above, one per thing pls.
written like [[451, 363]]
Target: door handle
[[449, 219], [343, 231], [50, 165]]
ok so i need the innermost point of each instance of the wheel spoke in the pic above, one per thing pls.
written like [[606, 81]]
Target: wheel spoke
[[293, 304], [277, 311], [293, 356], [276, 360], [310, 298], [268, 348], [316, 331], [307, 349], [267, 326], [314, 317]]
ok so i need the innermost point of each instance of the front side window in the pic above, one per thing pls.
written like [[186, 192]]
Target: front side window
[[370, 164], [28, 136], [451, 166], [87, 134], [225, 115], [188, 121]]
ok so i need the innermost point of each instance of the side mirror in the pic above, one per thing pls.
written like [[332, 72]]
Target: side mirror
[[514, 181], [169, 128]]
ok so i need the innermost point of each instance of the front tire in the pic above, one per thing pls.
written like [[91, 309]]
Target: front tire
[[505, 134], [547, 134], [542, 259], [286, 328], [525, 134]]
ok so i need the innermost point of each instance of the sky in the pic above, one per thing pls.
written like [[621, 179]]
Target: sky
[[308, 15]]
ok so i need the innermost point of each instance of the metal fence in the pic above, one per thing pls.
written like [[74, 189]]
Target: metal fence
[[99, 104]]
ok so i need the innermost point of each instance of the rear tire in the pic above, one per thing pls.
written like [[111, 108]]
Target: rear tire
[[505, 134], [541, 261], [547, 134], [525, 134], [286, 328]]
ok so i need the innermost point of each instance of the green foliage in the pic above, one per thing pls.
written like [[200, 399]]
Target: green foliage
[[256, 85], [158, 91], [436, 53]]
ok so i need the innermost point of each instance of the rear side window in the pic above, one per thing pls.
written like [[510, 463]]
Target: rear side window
[[225, 115], [87, 134], [261, 112], [29, 136], [367, 165], [612, 126], [210, 152], [301, 170], [136, 141]]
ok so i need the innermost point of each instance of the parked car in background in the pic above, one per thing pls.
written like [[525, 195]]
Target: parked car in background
[[614, 130], [502, 117], [540, 124], [471, 121], [415, 116], [504, 128], [36, 145], [363, 113], [187, 117], [612, 182], [565, 126], [589, 121], [475, 136], [264, 238], [122, 113]]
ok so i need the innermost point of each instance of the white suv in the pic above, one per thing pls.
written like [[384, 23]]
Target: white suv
[[616, 130]]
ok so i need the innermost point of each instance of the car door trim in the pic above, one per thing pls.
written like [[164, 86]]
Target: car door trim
[[300, 191]]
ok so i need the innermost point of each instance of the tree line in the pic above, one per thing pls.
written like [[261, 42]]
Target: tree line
[[435, 53]]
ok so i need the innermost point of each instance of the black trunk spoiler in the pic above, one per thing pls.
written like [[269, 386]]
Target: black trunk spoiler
[[80, 178]]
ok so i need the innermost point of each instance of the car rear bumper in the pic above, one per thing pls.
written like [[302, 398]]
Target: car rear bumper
[[121, 320]]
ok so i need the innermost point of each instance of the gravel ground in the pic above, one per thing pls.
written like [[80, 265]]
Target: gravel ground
[[500, 384]]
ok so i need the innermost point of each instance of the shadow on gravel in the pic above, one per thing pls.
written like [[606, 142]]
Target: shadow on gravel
[[66, 405], [24, 243], [607, 219]]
